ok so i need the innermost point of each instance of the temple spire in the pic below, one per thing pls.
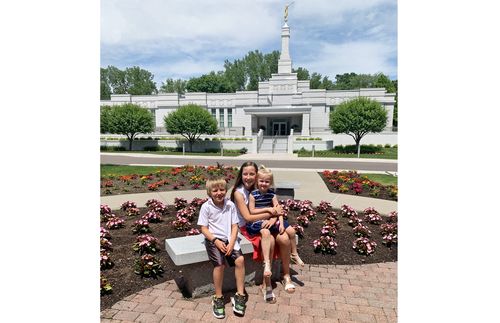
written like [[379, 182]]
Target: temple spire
[[285, 62]]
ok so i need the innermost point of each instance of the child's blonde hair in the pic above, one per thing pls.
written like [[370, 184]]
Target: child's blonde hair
[[264, 171], [215, 182]]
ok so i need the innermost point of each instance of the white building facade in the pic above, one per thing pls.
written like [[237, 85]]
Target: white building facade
[[282, 106]]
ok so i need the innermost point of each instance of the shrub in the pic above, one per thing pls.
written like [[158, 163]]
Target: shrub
[[364, 246], [148, 266], [141, 226], [361, 231], [115, 223], [243, 150], [152, 217], [299, 230], [146, 243], [105, 286], [181, 224], [387, 146], [325, 244], [106, 261], [193, 232]]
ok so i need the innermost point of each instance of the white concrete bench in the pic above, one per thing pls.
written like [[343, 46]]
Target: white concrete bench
[[286, 189], [195, 274]]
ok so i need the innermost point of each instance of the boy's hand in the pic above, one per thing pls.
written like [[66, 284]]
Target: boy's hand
[[229, 248], [221, 246]]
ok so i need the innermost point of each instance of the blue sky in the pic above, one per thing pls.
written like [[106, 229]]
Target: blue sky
[[182, 39]]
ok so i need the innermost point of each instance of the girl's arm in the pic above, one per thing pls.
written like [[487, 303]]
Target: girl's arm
[[254, 210], [261, 214]]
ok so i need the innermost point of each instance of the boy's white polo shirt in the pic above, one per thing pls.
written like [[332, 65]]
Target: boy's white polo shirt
[[219, 220]]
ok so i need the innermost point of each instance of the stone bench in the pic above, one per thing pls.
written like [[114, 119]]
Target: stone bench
[[195, 272], [286, 190]]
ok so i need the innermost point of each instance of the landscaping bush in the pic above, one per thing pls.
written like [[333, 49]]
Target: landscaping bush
[[351, 149]]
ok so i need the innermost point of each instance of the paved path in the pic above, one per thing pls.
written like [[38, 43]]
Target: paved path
[[326, 293]]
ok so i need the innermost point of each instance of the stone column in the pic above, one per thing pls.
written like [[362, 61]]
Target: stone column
[[305, 124]]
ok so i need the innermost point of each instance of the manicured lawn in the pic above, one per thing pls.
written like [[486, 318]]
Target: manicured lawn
[[388, 153], [129, 170], [383, 179]]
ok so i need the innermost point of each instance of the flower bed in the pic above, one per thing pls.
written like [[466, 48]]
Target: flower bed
[[178, 178], [350, 182], [125, 270]]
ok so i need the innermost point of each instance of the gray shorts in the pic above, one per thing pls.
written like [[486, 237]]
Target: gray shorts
[[218, 258]]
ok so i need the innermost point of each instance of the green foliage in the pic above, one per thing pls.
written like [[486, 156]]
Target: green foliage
[[128, 119], [171, 86], [105, 119], [133, 80], [191, 121], [302, 73], [352, 149], [210, 83], [357, 117]]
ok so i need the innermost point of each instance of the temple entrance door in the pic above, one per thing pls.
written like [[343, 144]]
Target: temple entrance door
[[279, 129]]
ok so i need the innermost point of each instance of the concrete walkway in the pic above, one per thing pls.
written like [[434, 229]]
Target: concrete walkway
[[325, 293]]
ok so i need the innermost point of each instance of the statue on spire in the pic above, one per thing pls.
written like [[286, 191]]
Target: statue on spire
[[286, 10]]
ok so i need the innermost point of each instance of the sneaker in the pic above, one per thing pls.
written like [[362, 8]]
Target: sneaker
[[239, 304], [218, 307]]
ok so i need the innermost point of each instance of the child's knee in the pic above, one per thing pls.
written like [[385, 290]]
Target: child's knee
[[240, 262], [219, 268], [290, 230], [265, 232]]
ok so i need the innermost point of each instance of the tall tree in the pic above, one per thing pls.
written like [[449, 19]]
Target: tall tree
[[302, 73], [106, 119], [105, 86], [236, 75], [210, 83], [173, 86], [130, 120], [139, 81], [190, 121], [357, 117]]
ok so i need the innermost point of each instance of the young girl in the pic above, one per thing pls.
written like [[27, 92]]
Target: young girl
[[264, 244], [264, 197]]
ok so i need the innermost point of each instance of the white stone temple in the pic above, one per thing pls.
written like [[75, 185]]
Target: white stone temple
[[281, 106]]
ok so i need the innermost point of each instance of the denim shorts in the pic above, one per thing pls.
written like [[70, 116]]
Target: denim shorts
[[253, 228]]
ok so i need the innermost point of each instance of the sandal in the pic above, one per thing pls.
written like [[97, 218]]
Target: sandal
[[269, 296], [267, 269], [294, 257], [289, 286]]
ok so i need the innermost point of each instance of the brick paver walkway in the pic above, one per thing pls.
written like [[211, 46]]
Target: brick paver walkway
[[324, 293]]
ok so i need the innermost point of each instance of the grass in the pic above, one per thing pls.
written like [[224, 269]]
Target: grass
[[127, 170], [144, 170], [382, 179], [388, 153]]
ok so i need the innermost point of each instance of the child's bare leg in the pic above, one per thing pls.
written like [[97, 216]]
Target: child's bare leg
[[284, 244], [267, 245], [239, 274], [293, 246], [218, 276]]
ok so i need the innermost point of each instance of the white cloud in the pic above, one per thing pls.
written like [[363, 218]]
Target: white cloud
[[358, 57], [189, 38]]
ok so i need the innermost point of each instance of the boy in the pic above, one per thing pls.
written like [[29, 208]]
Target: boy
[[219, 224]]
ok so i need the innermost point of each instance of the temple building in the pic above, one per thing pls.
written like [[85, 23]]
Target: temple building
[[282, 106]]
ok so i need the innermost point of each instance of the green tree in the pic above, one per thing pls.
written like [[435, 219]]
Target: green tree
[[130, 120], [235, 74], [395, 114], [190, 121], [105, 119], [105, 87], [139, 81], [302, 73], [173, 86], [382, 80], [210, 83], [357, 117]]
